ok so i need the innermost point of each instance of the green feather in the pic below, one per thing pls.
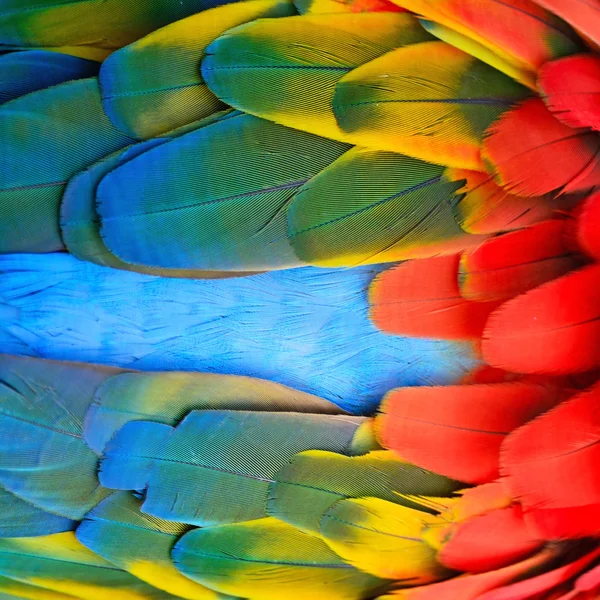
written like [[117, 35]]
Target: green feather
[[19, 518], [60, 563], [285, 70], [313, 481], [372, 207], [43, 458], [270, 560], [216, 466], [154, 84], [216, 198], [89, 23], [47, 137], [118, 531], [168, 397]]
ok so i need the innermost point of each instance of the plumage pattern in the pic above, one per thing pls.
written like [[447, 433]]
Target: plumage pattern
[[210, 158], [310, 331], [470, 422]]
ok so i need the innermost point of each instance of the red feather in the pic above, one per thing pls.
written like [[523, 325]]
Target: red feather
[[563, 523], [516, 262], [542, 584], [583, 15], [421, 298], [571, 89], [587, 229], [458, 430], [552, 463], [530, 153], [490, 541], [487, 208], [554, 328], [473, 587]]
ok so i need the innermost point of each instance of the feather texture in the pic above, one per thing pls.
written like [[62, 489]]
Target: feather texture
[[382, 538], [553, 328], [531, 153], [145, 101], [570, 89], [43, 458], [60, 563], [46, 137], [484, 207], [118, 531], [488, 542], [469, 422], [429, 100], [539, 461], [168, 397], [108, 24], [587, 223], [266, 558], [516, 262], [519, 32], [341, 218], [422, 298], [583, 15], [304, 328], [25, 72], [473, 587], [306, 488], [286, 69], [19, 518], [187, 470], [225, 206]]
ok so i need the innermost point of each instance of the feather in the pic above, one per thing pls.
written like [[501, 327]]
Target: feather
[[481, 51], [215, 452], [518, 31], [469, 422], [168, 397], [15, 590], [108, 24], [473, 587], [154, 84], [25, 72], [570, 89], [60, 563], [46, 138], [225, 205], [340, 218], [516, 262], [473, 502], [538, 587], [484, 207], [530, 153], [430, 100], [312, 482], [285, 70], [345, 6], [581, 14], [488, 542], [303, 328], [421, 298], [587, 226], [119, 532], [43, 458], [382, 538], [540, 459], [19, 518], [266, 559], [553, 329], [79, 220]]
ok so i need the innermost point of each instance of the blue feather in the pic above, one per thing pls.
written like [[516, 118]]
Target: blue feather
[[306, 328]]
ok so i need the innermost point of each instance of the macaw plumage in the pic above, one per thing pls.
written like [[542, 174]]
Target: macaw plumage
[[300, 299]]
